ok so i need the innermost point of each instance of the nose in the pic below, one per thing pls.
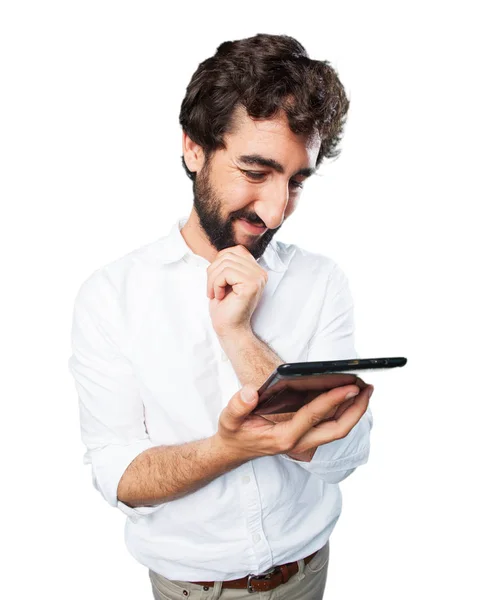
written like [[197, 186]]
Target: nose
[[271, 207]]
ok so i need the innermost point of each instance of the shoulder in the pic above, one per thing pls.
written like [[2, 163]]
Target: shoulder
[[300, 261], [107, 284]]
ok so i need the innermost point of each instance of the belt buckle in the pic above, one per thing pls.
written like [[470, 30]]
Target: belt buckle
[[264, 575]]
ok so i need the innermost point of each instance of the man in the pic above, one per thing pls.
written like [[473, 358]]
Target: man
[[222, 503]]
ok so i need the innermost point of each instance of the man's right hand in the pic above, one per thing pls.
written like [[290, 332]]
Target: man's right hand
[[245, 436]]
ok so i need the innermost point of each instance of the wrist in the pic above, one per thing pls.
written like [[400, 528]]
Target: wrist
[[233, 339], [233, 457]]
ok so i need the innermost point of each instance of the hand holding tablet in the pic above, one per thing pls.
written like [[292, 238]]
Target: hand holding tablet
[[246, 432], [292, 385]]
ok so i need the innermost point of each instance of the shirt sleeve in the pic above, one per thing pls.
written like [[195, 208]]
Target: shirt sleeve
[[334, 340], [111, 411]]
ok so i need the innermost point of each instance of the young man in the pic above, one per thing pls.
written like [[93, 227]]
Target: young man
[[222, 503]]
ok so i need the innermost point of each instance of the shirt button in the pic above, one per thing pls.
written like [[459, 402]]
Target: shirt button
[[225, 358], [246, 479], [256, 538]]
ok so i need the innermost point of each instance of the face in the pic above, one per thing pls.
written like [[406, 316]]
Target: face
[[243, 193]]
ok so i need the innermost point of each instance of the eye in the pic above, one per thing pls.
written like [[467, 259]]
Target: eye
[[260, 175], [296, 184], [256, 175]]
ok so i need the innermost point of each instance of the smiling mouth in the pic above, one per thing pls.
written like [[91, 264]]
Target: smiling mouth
[[253, 227]]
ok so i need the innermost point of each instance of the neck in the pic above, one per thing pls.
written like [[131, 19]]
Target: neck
[[196, 239]]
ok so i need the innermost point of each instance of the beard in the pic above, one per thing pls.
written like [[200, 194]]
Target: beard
[[220, 231]]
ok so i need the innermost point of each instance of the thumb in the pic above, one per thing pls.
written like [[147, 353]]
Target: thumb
[[249, 395], [239, 406]]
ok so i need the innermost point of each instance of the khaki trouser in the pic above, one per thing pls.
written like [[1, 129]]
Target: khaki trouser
[[307, 584]]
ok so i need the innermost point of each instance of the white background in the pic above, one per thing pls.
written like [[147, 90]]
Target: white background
[[90, 170]]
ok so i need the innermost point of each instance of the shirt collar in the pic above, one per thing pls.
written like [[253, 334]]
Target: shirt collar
[[174, 248]]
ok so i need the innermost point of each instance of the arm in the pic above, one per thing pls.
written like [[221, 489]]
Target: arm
[[165, 473], [333, 339], [252, 359], [127, 469]]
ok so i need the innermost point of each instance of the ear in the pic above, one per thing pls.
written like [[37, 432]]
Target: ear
[[194, 156]]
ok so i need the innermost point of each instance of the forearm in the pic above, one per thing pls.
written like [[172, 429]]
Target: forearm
[[252, 359], [165, 473]]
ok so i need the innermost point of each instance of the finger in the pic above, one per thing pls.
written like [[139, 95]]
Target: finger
[[238, 254], [315, 411], [235, 258], [229, 276], [340, 409], [233, 276], [228, 260], [333, 430], [360, 383], [349, 418], [239, 407], [240, 250], [252, 269], [213, 275], [345, 405]]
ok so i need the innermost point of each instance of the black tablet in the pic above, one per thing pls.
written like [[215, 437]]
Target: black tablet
[[292, 385]]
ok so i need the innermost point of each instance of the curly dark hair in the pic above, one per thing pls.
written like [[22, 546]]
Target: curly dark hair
[[264, 74]]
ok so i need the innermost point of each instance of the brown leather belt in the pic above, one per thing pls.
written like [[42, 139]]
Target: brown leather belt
[[264, 581]]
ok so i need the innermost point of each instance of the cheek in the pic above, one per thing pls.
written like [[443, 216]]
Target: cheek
[[291, 205], [238, 195]]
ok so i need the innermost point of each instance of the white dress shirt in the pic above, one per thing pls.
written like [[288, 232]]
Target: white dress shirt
[[149, 370]]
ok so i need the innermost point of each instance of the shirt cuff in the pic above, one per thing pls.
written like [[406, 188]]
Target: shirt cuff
[[322, 458], [340, 455], [108, 465]]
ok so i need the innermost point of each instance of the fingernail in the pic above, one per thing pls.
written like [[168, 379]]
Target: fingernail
[[247, 395], [370, 391], [351, 395]]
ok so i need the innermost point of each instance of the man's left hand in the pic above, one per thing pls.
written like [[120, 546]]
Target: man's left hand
[[332, 415], [235, 285]]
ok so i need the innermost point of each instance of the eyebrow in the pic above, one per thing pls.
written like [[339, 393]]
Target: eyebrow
[[262, 161]]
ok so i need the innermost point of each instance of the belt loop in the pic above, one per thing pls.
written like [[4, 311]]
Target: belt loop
[[300, 571], [216, 590]]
